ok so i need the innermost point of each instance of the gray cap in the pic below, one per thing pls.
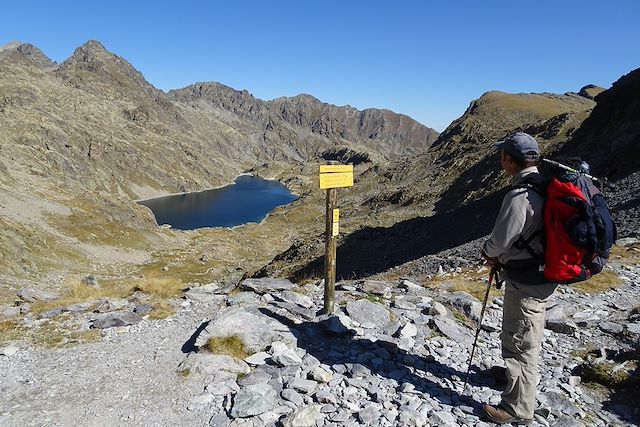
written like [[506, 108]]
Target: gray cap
[[522, 146]]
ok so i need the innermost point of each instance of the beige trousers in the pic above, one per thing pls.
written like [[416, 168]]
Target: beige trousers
[[522, 333]]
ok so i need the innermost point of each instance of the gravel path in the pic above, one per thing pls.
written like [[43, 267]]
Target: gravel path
[[128, 377]]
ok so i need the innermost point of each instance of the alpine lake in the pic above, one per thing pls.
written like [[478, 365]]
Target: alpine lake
[[249, 199]]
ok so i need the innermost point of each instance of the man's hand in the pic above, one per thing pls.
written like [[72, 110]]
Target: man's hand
[[491, 262]]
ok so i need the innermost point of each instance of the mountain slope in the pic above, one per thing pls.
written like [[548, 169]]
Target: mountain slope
[[609, 139], [422, 205], [82, 141]]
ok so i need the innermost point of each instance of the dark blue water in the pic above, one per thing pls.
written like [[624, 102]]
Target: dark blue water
[[250, 199]]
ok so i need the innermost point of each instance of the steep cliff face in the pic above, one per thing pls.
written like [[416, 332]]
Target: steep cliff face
[[609, 139]]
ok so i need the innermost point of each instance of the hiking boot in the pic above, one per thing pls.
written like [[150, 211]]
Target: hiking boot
[[498, 415]]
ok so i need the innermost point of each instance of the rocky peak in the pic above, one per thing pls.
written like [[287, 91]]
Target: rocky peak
[[239, 102], [9, 47], [94, 69], [26, 54]]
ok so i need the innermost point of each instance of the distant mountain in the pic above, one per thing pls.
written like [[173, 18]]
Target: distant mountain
[[95, 69], [591, 91], [372, 131], [462, 165]]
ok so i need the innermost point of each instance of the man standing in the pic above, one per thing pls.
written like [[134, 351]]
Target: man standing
[[516, 245]]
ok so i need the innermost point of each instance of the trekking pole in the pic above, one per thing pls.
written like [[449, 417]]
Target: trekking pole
[[570, 169], [492, 273]]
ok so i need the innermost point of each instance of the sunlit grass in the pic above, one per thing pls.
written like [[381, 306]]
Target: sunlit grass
[[469, 281], [77, 292], [11, 330], [628, 255], [231, 346], [159, 287], [604, 281], [161, 310], [53, 334]]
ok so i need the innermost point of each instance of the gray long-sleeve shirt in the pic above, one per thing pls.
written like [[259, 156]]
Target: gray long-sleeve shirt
[[521, 214]]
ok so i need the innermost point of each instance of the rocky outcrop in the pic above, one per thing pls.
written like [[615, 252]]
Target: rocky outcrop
[[26, 54], [610, 137]]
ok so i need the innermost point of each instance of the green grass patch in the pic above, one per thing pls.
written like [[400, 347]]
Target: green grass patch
[[178, 266], [458, 315], [161, 310], [76, 292], [85, 225], [375, 298], [159, 287], [604, 281], [469, 281], [11, 330], [604, 374], [629, 255], [231, 346], [184, 373], [55, 335]]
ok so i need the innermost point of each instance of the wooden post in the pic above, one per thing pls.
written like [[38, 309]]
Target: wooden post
[[330, 253], [332, 176]]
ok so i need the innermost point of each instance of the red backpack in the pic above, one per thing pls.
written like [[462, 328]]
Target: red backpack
[[578, 228]]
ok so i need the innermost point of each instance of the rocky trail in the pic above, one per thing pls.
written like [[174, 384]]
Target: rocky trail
[[395, 353]]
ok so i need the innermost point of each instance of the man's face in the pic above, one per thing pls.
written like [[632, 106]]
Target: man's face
[[507, 163]]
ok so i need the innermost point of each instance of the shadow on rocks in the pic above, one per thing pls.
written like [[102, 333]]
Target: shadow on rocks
[[624, 386], [360, 357], [190, 345], [374, 250]]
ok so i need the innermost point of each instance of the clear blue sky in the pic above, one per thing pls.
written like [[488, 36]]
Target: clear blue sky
[[427, 59]]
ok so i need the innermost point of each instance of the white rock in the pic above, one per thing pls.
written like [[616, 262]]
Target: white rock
[[409, 331], [258, 359], [321, 375], [9, 351], [437, 309]]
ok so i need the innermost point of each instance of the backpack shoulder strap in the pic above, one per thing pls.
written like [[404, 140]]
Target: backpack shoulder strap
[[538, 184], [535, 182]]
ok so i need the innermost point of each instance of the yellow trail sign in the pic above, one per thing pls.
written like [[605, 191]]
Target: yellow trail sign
[[335, 180], [336, 168]]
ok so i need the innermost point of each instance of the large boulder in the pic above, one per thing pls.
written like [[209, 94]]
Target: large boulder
[[453, 330], [33, 295], [467, 304], [368, 314], [256, 330], [115, 319], [213, 364]]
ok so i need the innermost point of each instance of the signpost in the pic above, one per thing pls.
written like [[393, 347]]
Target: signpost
[[331, 178]]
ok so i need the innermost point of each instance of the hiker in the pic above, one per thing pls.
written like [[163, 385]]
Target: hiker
[[516, 234]]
